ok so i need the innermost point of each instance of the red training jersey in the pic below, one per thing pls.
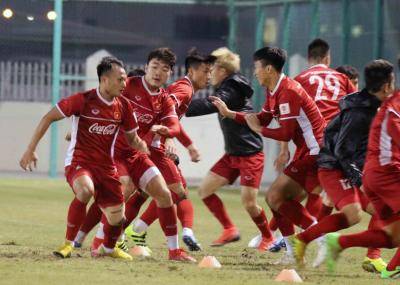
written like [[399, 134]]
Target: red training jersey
[[182, 91], [326, 86], [298, 116], [95, 126], [384, 136], [150, 109]]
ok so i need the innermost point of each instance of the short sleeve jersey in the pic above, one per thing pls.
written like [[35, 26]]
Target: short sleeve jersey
[[96, 123], [326, 86], [384, 138], [289, 101], [181, 91], [150, 109]]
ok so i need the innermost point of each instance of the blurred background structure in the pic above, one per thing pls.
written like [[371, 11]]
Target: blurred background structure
[[71, 36]]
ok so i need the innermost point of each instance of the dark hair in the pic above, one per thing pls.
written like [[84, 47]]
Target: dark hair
[[136, 72], [271, 56], [195, 59], [376, 74], [106, 63], [350, 71], [164, 54], [318, 49]]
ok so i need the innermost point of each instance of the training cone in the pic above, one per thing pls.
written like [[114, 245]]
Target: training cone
[[139, 251], [209, 262], [288, 275]]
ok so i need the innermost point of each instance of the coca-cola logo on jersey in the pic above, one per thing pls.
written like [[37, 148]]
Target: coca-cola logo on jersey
[[102, 130], [145, 118]]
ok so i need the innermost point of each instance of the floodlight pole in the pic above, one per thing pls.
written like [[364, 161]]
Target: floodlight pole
[[286, 32], [378, 29], [345, 31], [232, 14], [315, 19], [259, 43], [57, 36]]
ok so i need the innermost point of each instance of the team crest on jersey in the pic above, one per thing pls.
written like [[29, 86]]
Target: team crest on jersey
[[117, 115], [284, 109], [157, 106], [95, 111]]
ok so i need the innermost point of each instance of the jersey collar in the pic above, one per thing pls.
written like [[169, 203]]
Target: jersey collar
[[190, 82], [278, 84], [148, 90], [102, 99], [318, 65]]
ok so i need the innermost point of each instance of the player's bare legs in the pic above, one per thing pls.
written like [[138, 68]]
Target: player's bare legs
[[257, 214], [281, 197], [94, 214], [210, 184], [158, 190]]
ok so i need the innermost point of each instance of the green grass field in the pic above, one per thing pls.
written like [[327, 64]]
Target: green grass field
[[32, 224]]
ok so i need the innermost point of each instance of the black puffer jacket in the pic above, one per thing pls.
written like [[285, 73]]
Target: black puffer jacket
[[346, 136], [236, 92]]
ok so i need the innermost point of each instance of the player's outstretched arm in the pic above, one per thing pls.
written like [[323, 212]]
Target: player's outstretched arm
[[29, 158], [222, 107], [136, 142]]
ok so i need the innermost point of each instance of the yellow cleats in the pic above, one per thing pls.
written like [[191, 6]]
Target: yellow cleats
[[65, 250], [299, 250], [375, 265], [116, 253]]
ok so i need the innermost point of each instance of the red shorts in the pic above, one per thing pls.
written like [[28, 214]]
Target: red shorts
[[338, 188], [382, 186], [250, 168], [107, 188], [138, 167], [304, 171], [166, 166]]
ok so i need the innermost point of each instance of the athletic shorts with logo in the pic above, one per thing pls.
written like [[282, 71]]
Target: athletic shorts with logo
[[249, 168]]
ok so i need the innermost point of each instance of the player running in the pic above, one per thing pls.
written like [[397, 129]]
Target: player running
[[97, 116]]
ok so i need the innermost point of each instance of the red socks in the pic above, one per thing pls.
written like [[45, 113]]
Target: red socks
[[314, 204], [262, 224], [296, 213], [76, 215], [215, 205], [285, 226], [272, 224], [150, 214], [93, 217], [369, 238], [184, 209], [111, 234], [394, 262], [185, 213], [167, 218], [132, 207], [328, 224], [324, 212], [374, 223]]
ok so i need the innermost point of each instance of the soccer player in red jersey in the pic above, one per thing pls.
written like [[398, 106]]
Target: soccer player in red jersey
[[181, 91], [300, 121], [97, 115], [341, 161], [156, 114], [243, 155], [380, 178], [326, 86]]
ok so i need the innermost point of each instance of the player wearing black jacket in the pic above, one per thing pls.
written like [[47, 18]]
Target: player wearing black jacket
[[244, 155], [342, 158]]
